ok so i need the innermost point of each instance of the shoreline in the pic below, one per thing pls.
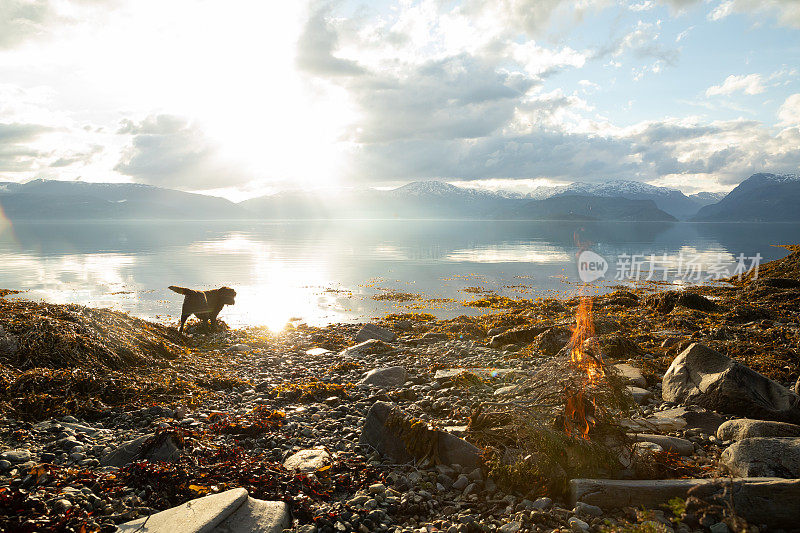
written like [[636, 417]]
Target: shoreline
[[236, 403]]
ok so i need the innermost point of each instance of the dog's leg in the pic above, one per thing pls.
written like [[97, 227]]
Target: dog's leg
[[184, 318]]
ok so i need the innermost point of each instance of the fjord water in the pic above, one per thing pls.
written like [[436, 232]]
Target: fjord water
[[329, 271]]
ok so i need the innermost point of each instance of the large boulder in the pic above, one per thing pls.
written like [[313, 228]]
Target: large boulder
[[388, 430], [516, 336], [153, 448], [232, 511], [745, 428], [393, 376], [705, 377], [695, 417], [763, 457], [373, 331], [762, 501]]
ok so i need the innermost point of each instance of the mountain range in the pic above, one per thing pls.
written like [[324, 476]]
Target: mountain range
[[762, 197], [759, 198]]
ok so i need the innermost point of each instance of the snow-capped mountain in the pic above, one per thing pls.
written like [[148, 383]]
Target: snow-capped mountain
[[760, 198], [669, 200], [707, 198]]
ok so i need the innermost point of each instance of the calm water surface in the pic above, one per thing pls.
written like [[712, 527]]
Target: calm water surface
[[322, 272]]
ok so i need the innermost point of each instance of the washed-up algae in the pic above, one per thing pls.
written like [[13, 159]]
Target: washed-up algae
[[70, 359]]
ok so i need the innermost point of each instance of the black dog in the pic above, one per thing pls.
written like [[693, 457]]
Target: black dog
[[205, 305]]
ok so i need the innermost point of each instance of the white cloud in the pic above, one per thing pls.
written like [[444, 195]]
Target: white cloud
[[789, 112], [787, 12], [169, 151], [749, 84]]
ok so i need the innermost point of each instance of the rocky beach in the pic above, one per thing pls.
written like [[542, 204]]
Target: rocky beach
[[681, 413]]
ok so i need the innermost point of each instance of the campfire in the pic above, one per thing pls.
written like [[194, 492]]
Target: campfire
[[563, 423], [580, 403]]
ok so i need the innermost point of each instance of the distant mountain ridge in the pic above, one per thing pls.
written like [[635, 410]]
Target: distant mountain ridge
[[71, 200], [762, 197], [581, 207]]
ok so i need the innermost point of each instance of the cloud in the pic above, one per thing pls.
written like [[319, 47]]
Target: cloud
[[749, 84], [171, 152], [21, 20], [456, 97], [74, 158], [789, 112], [317, 45], [642, 43], [787, 12], [16, 153]]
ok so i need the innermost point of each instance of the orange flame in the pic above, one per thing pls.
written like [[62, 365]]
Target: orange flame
[[576, 420]]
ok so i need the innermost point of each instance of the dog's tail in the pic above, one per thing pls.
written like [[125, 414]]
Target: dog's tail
[[180, 290]]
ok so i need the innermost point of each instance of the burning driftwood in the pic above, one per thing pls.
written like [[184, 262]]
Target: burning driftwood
[[564, 422]]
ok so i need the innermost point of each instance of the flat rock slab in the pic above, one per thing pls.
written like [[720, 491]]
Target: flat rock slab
[[705, 377], [316, 352], [373, 331], [762, 501], [694, 417], [763, 456], [309, 460], [370, 347], [660, 424], [135, 450], [387, 441], [639, 394], [670, 444], [393, 376], [483, 373], [232, 511], [745, 428], [631, 374]]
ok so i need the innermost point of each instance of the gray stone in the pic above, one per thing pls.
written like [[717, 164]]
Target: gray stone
[[516, 336], [719, 527], [639, 394], [705, 377], [577, 525], [393, 376], [584, 509], [309, 460], [509, 390], [769, 501], [631, 374], [232, 511], [694, 417], [763, 457], [461, 482], [163, 449], [669, 444], [370, 347], [511, 527], [373, 331], [239, 348], [316, 352], [542, 503], [449, 449], [9, 344], [17, 456], [483, 373], [744, 428]]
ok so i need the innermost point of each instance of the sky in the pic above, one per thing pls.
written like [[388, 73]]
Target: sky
[[246, 97]]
